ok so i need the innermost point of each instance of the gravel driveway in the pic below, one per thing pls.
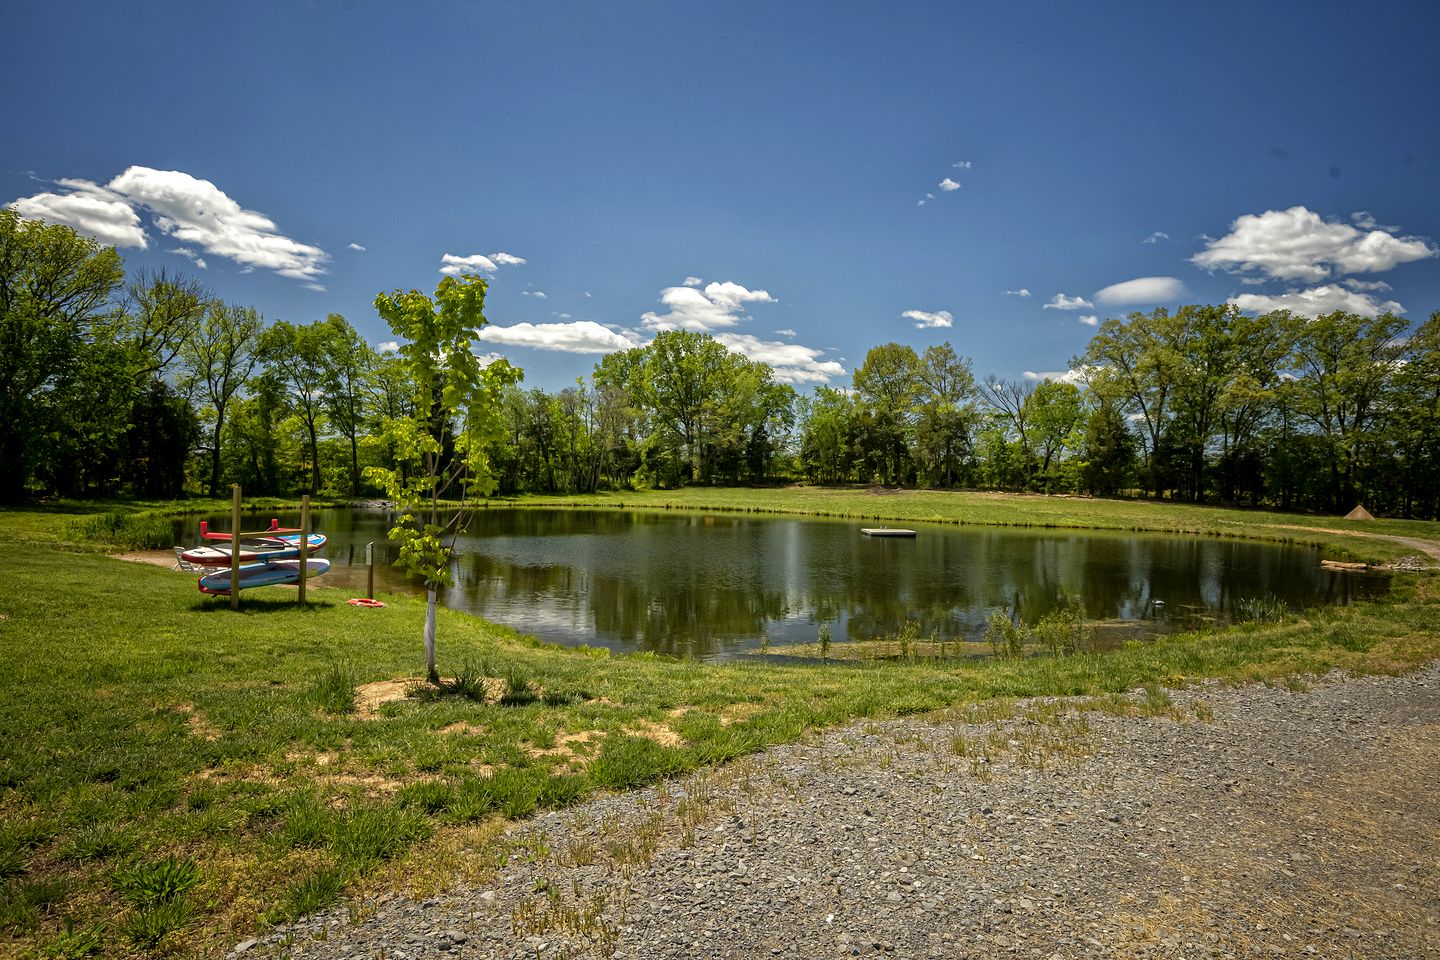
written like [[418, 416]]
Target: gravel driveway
[[1225, 822]]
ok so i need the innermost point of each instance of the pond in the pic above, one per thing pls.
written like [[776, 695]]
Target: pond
[[713, 586]]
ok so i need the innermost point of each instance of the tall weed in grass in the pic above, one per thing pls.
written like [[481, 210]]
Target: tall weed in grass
[[1005, 636], [314, 891], [162, 881], [130, 531], [334, 691], [1266, 609], [369, 834]]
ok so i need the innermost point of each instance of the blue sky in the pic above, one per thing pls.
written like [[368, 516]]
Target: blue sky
[[790, 160]]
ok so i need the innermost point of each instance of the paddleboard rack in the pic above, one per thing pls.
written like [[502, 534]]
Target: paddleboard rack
[[207, 534]]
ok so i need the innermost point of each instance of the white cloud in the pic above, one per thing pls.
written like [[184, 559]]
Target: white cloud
[[455, 265], [785, 332], [1089, 319], [948, 185], [196, 211], [1062, 302], [962, 164], [692, 281], [1365, 220], [792, 363], [89, 209], [387, 346], [926, 321], [582, 336], [1156, 237], [355, 246], [1142, 290], [715, 307], [1373, 286], [563, 316], [587, 294], [1023, 293], [190, 255], [312, 285], [485, 359], [1316, 301], [1076, 377], [537, 294], [1296, 244]]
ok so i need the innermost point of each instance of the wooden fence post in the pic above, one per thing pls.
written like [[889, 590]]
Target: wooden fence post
[[304, 543], [234, 546]]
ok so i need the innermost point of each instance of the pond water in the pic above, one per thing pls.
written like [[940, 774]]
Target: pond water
[[711, 586]]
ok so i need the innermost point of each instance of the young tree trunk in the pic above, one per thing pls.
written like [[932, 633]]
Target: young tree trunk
[[431, 673]]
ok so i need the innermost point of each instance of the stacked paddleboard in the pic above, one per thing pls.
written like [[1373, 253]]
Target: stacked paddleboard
[[267, 558]]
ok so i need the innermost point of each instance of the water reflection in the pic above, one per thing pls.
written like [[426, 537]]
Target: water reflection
[[709, 586]]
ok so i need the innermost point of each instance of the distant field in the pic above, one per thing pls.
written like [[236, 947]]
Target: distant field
[[174, 775], [1342, 539]]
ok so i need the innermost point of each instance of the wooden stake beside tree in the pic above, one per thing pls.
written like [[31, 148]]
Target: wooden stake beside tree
[[443, 446]]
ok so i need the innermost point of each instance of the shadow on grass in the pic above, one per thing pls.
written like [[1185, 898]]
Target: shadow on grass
[[259, 605]]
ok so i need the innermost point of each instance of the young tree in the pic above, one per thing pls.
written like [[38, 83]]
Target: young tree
[[447, 437], [349, 365]]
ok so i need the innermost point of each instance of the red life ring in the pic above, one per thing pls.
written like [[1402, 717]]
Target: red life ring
[[364, 602]]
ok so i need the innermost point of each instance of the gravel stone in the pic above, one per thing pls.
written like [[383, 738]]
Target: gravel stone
[[1249, 822]]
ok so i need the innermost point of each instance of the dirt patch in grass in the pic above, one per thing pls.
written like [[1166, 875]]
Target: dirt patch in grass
[[198, 725], [573, 750], [660, 733], [738, 712], [370, 697], [156, 558]]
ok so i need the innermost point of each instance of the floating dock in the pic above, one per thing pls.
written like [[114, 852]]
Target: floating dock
[[886, 532]]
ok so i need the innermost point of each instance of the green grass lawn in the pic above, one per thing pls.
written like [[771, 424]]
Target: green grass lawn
[[174, 776]]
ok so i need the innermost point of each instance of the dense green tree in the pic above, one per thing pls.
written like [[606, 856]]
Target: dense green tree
[[219, 358], [349, 366], [54, 284], [887, 385], [1109, 451]]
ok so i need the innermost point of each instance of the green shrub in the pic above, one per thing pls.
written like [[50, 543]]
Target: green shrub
[[1005, 636]]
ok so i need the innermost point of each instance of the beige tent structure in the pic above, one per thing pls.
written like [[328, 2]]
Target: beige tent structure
[[1359, 513]]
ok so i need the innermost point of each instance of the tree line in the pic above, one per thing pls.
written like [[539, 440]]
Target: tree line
[[148, 385]]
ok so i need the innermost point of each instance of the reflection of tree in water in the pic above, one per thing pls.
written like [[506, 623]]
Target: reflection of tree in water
[[681, 619]]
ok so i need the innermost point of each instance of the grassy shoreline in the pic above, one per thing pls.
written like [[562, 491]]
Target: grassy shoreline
[[151, 731], [1340, 539]]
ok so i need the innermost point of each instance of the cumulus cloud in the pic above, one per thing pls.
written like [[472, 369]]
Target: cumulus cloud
[[714, 307], [89, 209], [962, 164], [1156, 237], [1062, 302], [787, 332], [455, 265], [948, 185], [355, 246], [1023, 292], [1089, 319], [195, 211], [691, 282], [582, 336], [1316, 301], [190, 255], [792, 363], [1142, 290], [927, 321], [1372, 286], [1297, 244], [387, 346], [1077, 377]]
